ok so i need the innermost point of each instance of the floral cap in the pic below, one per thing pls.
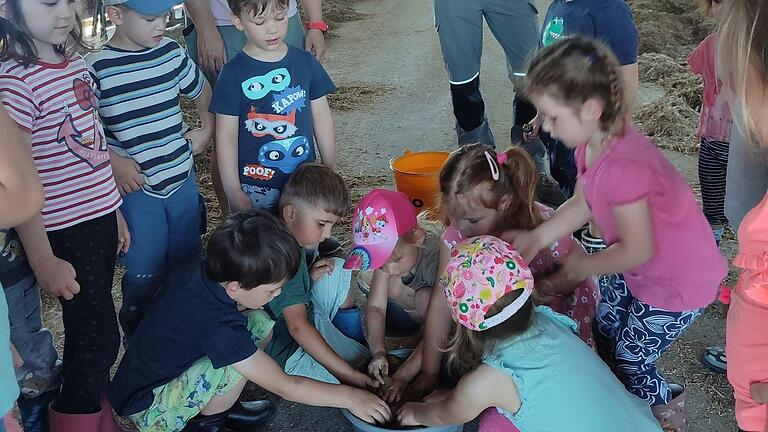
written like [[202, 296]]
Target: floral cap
[[481, 270]]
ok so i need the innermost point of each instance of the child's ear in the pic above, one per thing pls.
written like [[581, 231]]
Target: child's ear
[[592, 109], [289, 213], [231, 288], [236, 21], [504, 202], [418, 235], [114, 14]]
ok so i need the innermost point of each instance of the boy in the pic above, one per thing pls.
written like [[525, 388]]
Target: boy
[[139, 75], [194, 350], [310, 337], [270, 104]]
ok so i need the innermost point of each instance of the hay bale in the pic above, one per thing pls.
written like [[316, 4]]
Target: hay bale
[[688, 87], [671, 123]]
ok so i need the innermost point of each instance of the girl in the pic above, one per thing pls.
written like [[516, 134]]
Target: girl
[[714, 129], [743, 66], [71, 244], [403, 256], [655, 232], [484, 192], [522, 359]]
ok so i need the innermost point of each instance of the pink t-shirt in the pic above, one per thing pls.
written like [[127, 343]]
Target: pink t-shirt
[[223, 16], [753, 253], [56, 105], [715, 120], [687, 267]]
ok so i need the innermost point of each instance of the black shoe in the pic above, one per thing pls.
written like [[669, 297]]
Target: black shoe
[[207, 423], [246, 415], [34, 410], [329, 247]]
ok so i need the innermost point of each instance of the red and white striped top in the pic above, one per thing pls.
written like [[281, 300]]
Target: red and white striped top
[[56, 104]]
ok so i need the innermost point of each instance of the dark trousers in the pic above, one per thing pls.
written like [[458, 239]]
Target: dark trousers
[[91, 334]]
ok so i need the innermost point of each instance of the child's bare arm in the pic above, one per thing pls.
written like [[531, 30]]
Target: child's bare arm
[[201, 136], [635, 248], [19, 183], [376, 316], [226, 153], [572, 215], [322, 122], [262, 370], [482, 388], [307, 336]]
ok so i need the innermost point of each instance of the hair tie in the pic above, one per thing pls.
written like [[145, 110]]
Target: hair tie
[[492, 165], [502, 158]]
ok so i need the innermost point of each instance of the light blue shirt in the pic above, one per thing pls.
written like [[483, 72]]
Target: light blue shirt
[[563, 384], [9, 388]]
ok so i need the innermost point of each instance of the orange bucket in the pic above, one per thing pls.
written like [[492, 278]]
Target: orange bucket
[[416, 175]]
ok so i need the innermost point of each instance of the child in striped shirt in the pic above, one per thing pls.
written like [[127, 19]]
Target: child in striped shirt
[[72, 243], [139, 76]]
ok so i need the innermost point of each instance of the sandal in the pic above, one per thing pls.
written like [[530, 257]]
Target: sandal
[[714, 359]]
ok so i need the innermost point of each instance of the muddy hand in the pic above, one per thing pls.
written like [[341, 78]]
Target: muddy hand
[[379, 367], [407, 414]]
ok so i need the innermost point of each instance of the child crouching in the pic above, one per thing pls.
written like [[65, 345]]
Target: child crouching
[[194, 350]]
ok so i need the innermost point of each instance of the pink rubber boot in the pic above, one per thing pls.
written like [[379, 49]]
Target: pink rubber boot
[[493, 421], [60, 422], [108, 423]]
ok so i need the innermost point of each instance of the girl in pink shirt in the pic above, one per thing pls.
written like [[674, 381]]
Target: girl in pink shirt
[[714, 131], [657, 237]]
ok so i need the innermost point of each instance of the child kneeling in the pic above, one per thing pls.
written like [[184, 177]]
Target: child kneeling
[[194, 350], [526, 361]]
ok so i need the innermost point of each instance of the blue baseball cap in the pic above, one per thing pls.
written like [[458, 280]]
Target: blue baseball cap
[[146, 7]]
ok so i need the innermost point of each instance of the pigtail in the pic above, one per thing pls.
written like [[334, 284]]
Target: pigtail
[[521, 178], [614, 112]]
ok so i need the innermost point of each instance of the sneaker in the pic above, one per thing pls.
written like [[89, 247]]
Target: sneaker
[[715, 360], [328, 247]]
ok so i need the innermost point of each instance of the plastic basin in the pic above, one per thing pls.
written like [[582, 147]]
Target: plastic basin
[[417, 174]]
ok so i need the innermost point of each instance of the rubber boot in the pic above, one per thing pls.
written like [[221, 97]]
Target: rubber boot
[[207, 423], [349, 323], [481, 134], [672, 416], [60, 422], [491, 420], [108, 423], [34, 411]]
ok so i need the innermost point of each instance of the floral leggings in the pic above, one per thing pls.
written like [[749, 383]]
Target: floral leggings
[[631, 335]]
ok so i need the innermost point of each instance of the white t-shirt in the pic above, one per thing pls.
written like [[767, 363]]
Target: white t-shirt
[[223, 16]]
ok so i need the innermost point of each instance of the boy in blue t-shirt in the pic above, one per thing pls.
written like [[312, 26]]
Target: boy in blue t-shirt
[[270, 105]]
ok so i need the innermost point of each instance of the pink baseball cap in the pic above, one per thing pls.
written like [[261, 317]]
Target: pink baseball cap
[[380, 219]]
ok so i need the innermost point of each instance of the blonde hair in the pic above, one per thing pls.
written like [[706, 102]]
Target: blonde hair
[[742, 50], [576, 69], [468, 170], [466, 347], [706, 7]]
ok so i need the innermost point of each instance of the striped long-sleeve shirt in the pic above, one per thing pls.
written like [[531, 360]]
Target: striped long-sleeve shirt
[[138, 94]]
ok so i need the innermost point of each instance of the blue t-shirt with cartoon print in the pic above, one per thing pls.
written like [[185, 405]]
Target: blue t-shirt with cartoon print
[[609, 21], [272, 101]]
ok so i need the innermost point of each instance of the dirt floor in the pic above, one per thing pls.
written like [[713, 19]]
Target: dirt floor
[[393, 95]]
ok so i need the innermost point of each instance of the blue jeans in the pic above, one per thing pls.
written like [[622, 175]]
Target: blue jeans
[[165, 233]]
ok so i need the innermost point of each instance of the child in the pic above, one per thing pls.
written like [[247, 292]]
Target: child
[[743, 36], [38, 376], [525, 360], [484, 192], [270, 101], [139, 76], [714, 129], [308, 339], [71, 245], [655, 232], [403, 256], [194, 350]]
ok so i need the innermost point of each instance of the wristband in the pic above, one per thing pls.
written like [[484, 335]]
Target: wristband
[[317, 25]]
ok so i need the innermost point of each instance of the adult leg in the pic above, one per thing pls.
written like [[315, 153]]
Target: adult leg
[[90, 324], [459, 25], [746, 178], [295, 36], [145, 264]]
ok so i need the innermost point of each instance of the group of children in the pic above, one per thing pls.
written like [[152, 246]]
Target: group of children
[[541, 324]]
